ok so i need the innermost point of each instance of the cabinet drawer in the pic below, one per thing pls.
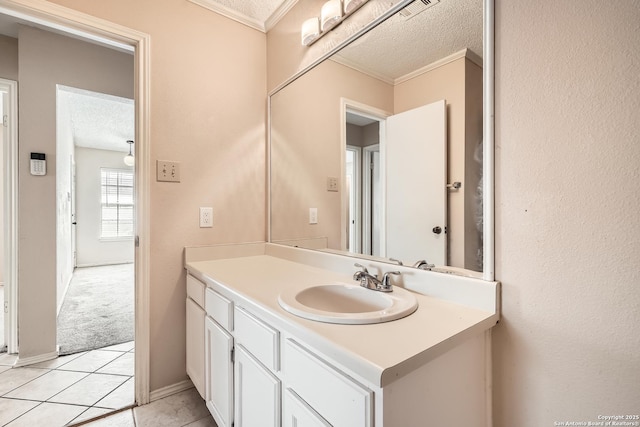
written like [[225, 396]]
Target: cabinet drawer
[[219, 308], [195, 290], [337, 398], [259, 338]]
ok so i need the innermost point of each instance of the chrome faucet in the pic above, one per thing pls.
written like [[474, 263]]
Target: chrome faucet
[[423, 265], [372, 282]]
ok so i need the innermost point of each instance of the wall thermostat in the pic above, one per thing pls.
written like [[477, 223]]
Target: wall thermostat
[[38, 164]]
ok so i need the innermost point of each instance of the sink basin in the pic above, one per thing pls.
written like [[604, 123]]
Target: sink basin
[[348, 303]]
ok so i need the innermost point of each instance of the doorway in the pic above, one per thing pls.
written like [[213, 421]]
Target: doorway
[[85, 27], [364, 193], [8, 214], [95, 249]]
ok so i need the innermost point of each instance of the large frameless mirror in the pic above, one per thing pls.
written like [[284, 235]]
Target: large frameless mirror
[[385, 148]]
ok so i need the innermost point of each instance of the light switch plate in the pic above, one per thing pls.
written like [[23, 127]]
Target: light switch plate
[[168, 171], [313, 215], [332, 183]]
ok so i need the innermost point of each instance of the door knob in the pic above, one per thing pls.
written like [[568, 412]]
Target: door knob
[[437, 229]]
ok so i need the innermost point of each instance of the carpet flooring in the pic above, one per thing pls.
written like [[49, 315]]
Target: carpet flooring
[[98, 309]]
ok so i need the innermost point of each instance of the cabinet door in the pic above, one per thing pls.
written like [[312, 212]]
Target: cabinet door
[[257, 393], [218, 373], [195, 345], [296, 413]]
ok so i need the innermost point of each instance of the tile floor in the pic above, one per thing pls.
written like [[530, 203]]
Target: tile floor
[[66, 390], [185, 409]]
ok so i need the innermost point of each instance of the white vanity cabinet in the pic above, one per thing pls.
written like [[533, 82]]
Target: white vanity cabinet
[[266, 368], [257, 360], [218, 351], [195, 337]]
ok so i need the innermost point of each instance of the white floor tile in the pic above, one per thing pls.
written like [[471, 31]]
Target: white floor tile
[[4, 368], [177, 410], [14, 378], [120, 419], [91, 361], [11, 409], [205, 422], [48, 414], [47, 385], [127, 346], [57, 362], [89, 390], [121, 397], [7, 359], [91, 413], [123, 365]]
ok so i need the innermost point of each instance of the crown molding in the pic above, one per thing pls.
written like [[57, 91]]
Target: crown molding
[[354, 66], [464, 53], [279, 13], [231, 14]]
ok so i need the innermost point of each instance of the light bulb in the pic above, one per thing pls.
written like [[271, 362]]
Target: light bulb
[[129, 160], [310, 31], [330, 14]]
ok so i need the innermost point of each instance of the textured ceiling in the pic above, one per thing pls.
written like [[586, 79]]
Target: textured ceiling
[[397, 46], [97, 120], [259, 10]]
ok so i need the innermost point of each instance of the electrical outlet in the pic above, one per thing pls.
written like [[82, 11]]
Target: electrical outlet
[[313, 215], [332, 183], [206, 217], [168, 171]]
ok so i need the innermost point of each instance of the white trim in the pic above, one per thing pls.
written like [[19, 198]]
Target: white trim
[[488, 134], [104, 32], [231, 14], [356, 191], [170, 389], [279, 13], [376, 114], [464, 53], [488, 377], [24, 361], [10, 170]]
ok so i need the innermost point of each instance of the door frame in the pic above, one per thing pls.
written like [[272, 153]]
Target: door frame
[[78, 24], [356, 188], [367, 201], [10, 194], [349, 105]]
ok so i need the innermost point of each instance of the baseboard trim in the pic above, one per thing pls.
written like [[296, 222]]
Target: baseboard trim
[[24, 361], [170, 389]]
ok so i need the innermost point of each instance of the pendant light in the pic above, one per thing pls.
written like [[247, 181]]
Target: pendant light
[[129, 160]]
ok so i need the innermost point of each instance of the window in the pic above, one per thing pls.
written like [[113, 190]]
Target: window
[[117, 203]]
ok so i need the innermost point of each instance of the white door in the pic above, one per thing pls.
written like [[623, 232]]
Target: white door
[[257, 393], [296, 412], [74, 252], [218, 373], [416, 196]]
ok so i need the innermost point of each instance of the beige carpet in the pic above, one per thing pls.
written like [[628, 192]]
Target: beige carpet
[[98, 309]]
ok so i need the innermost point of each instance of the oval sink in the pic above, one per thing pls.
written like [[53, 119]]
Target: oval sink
[[348, 304]]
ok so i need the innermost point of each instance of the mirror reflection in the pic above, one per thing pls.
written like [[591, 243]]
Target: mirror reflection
[[377, 151]]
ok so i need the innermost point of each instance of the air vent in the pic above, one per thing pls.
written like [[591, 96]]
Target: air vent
[[417, 7]]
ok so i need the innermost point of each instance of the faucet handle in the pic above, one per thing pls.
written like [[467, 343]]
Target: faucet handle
[[364, 269], [386, 281], [397, 261]]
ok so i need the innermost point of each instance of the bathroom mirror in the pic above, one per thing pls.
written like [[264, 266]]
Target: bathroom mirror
[[385, 148]]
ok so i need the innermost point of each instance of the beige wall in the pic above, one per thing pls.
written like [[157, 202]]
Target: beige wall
[[46, 59], [9, 55], [568, 229], [208, 109], [305, 148]]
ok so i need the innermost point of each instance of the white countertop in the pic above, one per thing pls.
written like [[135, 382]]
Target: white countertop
[[378, 353]]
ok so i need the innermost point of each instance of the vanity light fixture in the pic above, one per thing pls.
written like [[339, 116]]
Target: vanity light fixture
[[129, 160], [332, 13], [310, 31], [352, 5]]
